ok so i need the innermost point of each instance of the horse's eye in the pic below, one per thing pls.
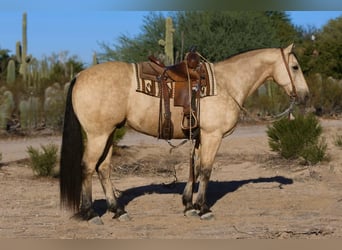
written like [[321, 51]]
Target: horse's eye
[[295, 67]]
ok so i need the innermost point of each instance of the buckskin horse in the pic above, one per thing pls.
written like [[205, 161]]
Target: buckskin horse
[[104, 97]]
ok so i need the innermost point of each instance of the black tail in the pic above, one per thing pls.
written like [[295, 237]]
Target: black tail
[[71, 157]]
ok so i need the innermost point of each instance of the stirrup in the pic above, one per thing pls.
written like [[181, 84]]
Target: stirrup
[[193, 124]]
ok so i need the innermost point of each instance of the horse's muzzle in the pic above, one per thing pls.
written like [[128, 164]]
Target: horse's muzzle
[[302, 97]]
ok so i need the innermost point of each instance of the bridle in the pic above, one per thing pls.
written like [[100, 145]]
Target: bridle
[[294, 91]]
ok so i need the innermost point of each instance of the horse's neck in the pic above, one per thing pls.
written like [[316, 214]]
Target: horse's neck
[[243, 74]]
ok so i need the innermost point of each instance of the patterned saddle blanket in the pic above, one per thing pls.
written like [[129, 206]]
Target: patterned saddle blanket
[[148, 73]]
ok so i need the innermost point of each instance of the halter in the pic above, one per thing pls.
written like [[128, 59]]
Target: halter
[[294, 91], [288, 111]]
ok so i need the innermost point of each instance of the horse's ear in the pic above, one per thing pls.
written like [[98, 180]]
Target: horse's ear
[[290, 48]]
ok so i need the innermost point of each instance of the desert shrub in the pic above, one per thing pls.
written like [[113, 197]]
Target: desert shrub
[[297, 138], [118, 135], [325, 94], [0, 156], [43, 162], [314, 153], [337, 140]]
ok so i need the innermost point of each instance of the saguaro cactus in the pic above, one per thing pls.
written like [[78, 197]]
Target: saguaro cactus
[[34, 78], [6, 107], [54, 105], [21, 50], [95, 61], [10, 79], [168, 42], [29, 112]]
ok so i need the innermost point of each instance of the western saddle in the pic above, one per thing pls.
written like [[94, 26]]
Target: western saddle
[[184, 82]]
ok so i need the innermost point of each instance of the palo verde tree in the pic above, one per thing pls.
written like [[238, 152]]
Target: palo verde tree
[[220, 34], [320, 50], [139, 47], [329, 46], [216, 35]]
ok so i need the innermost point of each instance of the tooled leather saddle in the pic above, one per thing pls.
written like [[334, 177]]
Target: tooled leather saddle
[[185, 82]]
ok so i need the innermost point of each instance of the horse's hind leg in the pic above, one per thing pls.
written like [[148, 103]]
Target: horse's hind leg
[[95, 151], [104, 172]]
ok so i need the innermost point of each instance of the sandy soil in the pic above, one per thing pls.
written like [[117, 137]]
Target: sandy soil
[[253, 193]]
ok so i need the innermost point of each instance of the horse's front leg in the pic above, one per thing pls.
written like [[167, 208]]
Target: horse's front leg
[[189, 188], [210, 145]]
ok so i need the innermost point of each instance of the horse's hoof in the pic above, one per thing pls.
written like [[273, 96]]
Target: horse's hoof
[[207, 216], [123, 217], [95, 221], [191, 213]]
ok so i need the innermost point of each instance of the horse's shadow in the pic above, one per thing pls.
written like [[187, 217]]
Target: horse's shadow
[[216, 190]]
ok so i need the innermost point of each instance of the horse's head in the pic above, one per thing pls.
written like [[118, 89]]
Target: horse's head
[[289, 75]]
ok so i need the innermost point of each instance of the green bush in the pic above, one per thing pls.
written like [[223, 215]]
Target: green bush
[[298, 138], [338, 140], [42, 163], [118, 135], [325, 94]]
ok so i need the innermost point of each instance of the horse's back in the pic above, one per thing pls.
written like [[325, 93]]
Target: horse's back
[[108, 74]]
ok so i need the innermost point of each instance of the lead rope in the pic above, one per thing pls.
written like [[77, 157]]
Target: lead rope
[[190, 98], [204, 59], [192, 146], [286, 112]]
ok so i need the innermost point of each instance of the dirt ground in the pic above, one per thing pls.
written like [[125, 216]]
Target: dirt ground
[[253, 193]]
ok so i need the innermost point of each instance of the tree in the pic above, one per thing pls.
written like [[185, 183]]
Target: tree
[[329, 45], [216, 35], [320, 50], [139, 47], [281, 22], [306, 48], [220, 34], [61, 67]]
